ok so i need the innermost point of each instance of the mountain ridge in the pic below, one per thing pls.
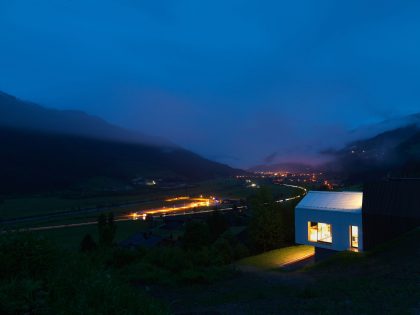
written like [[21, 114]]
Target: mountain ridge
[[17, 113], [63, 152], [393, 153]]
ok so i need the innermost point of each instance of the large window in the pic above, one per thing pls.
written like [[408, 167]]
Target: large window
[[354, 236], [319, 232]]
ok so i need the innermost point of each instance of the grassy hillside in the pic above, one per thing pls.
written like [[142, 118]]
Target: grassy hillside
[[383, 281]]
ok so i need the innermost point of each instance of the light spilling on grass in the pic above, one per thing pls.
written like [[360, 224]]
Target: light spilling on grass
[[279, 258]]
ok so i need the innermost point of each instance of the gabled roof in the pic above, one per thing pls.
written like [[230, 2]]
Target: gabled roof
[[332, 201]]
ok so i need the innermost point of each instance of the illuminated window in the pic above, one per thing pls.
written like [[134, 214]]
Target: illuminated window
[[319, 232], [354, 236], [312, 231]]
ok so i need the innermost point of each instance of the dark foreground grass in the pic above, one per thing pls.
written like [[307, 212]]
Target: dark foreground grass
[[36, 277], [70, 237], [383, 281]]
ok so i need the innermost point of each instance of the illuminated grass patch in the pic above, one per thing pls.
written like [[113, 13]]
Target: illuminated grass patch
[[278, 257]]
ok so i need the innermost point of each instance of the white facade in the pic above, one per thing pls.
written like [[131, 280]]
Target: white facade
[[331, 220]]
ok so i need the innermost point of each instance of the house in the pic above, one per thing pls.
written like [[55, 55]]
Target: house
[[390, 208], [330, 220], [358, 221]]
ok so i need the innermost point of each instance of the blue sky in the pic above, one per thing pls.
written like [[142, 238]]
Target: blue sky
[[236, 81]]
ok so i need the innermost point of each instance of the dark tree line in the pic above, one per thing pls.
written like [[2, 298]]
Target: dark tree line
[[272, 224]]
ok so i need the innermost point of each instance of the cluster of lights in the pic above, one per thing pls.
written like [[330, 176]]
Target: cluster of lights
[[329, 186], [304, 191], [192, 204]]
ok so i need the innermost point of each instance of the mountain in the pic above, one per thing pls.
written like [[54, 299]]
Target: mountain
[[15, 113], [43, 149], [282, 167], [372, 130], [393, 153]]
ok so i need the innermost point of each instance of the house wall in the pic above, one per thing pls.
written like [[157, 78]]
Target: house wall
[[340, 225]]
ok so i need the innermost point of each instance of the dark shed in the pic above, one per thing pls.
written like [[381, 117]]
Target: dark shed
[[390, 208]]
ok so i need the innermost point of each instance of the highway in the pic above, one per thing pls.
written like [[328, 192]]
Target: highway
[[129, 217]]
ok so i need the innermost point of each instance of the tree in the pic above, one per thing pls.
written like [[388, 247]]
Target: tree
[[87, 244], [217, 225], [106, 229], [196, 235], [267, 223]]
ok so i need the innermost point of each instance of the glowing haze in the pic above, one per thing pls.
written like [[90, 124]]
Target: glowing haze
[[241, 82]]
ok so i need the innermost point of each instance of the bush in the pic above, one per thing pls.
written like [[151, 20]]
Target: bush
[[36, 278], [92, 290], [196, 235], [22, 296], [87, 244], [145, 273], [106, 229], [23, 255], [169, 258], [121, 257], [272, 224], [217, 225]]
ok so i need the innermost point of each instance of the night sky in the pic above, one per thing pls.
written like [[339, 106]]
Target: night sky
[[237, 81]]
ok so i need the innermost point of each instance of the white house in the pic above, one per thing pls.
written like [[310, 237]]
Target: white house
[[330, 220]]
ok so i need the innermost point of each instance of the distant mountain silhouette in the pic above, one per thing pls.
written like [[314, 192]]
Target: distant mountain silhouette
[[282, 167], [372, 130], [44, 149], [16, 113], [393, 153]]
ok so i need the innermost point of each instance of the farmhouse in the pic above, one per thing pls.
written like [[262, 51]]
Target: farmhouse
[[330, 220], [358, 221]]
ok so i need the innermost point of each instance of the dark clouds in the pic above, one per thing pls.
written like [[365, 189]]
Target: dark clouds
[[234, 79]]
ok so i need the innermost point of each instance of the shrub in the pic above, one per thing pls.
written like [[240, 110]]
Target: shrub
[[92, 290], [106, 229], [36, 278], [121, 257], [87, 244], [169, 258], [25, 255], [217, 225], [196, 235], [22, 296]]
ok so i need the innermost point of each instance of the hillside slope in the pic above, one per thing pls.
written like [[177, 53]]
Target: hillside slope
[[16, 113], [46, 149], [394, 153], [34, 161]]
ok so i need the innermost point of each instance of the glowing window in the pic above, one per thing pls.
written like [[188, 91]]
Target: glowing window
[[354, 236], [319, 232]]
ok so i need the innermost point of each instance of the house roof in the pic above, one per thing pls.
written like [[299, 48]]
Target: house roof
[[332, 201]]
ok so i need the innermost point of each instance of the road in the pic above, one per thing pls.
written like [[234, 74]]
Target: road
[[190, 206], [126, 218]]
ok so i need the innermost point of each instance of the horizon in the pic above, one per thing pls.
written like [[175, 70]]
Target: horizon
[[280, 79]]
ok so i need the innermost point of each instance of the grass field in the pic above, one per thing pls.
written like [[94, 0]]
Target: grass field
[[277, 258], [69, 238], [36, 205]]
